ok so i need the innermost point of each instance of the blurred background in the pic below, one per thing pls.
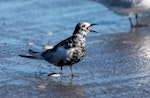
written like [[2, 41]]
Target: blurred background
[[117, 63]]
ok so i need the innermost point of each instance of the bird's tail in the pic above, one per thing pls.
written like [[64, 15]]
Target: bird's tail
[[26, 56], [34, 55]]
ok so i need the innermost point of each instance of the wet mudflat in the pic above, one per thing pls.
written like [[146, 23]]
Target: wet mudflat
[[117, 63]]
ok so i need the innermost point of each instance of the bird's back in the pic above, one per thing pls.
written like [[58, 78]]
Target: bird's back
[[119, 3], [126, 7]]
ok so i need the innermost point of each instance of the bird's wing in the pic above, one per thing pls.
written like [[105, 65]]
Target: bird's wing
[[58, 52], [65, 43], [32, 52]]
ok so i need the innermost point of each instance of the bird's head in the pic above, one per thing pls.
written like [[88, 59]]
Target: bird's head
[[83, 28]]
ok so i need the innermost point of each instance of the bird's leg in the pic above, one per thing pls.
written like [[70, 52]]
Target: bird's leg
[[72, 72], [131, 24], [137, 22], [61, 71]]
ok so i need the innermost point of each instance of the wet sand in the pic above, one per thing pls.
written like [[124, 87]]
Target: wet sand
[[117, 63]]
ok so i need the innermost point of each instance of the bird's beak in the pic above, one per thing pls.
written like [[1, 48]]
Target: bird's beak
[[93, 24], [93, 30]]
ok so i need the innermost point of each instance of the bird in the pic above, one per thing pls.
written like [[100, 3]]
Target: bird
[[127, 8], [67, 52]]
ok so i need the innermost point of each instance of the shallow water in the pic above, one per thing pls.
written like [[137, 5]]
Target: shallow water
[[116, 64]]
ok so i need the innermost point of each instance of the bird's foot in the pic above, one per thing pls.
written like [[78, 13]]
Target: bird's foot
[[63, 76], [74, 76], [139, 25]]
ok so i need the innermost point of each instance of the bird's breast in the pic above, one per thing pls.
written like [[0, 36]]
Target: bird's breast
[[74, 55]]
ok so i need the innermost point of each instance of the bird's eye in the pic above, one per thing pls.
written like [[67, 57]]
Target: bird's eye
[[83, 26]]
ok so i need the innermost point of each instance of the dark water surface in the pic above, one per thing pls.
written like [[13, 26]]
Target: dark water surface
[[117, 64]]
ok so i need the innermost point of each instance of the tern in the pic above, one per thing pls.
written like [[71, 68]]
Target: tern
[[67, 52]]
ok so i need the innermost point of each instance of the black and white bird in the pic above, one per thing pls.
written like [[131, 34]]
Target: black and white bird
[[127, 8], [67, 52]]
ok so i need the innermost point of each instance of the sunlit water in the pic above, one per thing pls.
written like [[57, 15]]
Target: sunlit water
[[117, 60]]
